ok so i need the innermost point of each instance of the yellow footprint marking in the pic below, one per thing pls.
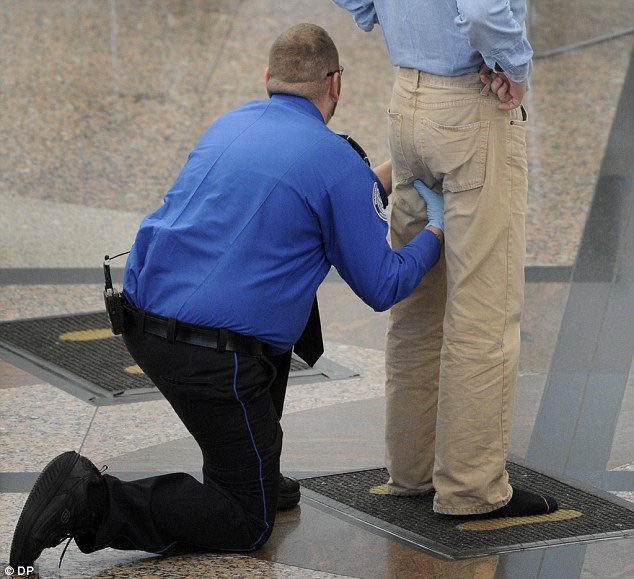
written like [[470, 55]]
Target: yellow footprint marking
[[379, 490], [502, 523], [87, 335]]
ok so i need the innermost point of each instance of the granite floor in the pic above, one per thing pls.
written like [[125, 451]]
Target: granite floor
[[100, 103]]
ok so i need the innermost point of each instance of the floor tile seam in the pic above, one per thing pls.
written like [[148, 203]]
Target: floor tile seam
[[573, 47], [319, 573], [25, 202]]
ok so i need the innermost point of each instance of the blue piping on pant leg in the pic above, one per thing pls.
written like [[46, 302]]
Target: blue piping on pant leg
[[166, 548], [246, 417], [244, 410]]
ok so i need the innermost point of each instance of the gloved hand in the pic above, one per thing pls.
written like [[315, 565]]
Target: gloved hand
[[435, 205]]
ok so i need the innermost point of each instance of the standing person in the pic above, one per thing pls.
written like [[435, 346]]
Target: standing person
[[220, 277], [453, 346]]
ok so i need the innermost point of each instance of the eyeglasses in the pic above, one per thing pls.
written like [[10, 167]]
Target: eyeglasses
[[339, 70]]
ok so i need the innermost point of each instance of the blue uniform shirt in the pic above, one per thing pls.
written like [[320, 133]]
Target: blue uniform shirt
[[450, 37], [268, 200]]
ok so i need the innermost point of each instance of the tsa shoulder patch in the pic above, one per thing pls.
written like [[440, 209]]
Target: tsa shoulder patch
[[377, 201]]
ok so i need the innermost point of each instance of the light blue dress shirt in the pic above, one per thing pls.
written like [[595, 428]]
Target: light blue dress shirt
[[450, 37]]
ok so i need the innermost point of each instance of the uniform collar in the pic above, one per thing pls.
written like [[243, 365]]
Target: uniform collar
[[300, 103]]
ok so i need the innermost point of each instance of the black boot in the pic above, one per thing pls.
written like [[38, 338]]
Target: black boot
[[68, 500], [289, 493]]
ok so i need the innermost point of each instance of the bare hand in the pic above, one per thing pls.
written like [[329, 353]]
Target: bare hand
[[509, 93], [513, 93]]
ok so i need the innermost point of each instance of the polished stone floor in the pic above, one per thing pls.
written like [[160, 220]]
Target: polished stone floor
[[100, 103]]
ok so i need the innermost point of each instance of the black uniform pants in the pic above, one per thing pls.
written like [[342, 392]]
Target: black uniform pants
[[282, 364], [225, 402]]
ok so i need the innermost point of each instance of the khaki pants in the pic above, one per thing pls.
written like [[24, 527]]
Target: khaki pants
[[453, 345]]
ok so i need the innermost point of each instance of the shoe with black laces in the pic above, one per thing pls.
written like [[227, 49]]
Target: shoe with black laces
[[68, 500], [289, 493]]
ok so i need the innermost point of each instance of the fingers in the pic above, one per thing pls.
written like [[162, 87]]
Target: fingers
[[500, 87], [509, 93], [430, 197], [422, 189], [435, 205], [485, 74], [516, 91], [503, 93], [510, 105], [496, 84]]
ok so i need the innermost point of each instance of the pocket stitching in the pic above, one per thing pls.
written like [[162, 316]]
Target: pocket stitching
[[479, 157], [406, 175]]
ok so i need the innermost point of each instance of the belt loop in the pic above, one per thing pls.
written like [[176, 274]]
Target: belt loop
[[171, 330], [222, 339], [142, 320], [486, 89]]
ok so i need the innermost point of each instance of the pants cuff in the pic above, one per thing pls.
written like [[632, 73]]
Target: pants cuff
[[398, 490], [472, 510]]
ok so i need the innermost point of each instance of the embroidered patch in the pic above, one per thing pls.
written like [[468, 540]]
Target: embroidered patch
[[378, 202]]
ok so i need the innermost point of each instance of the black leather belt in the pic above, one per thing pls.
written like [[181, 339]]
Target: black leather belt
[[176, 331]]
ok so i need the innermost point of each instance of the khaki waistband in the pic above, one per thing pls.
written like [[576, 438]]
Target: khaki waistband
[[418, 77]]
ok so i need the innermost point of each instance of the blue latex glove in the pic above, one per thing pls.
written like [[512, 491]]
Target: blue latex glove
[[435, 205]]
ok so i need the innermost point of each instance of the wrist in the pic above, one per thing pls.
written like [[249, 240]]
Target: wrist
[[437, 232]]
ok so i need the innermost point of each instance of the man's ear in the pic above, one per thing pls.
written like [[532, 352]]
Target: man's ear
[[267, 75], [334, 89]]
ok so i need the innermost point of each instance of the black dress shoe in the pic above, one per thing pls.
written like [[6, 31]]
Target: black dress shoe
[[68, 500], [289, 493]]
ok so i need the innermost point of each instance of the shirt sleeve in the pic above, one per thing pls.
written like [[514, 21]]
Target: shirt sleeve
[[498, 33], [354, 229], [363, 12]]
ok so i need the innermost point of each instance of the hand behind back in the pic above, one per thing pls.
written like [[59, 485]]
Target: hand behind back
[[509, 93]]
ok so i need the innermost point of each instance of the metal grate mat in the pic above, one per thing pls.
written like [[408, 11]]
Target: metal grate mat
[[585, 516], [79, 354]]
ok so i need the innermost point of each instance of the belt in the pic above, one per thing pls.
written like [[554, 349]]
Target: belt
[[176, 331]]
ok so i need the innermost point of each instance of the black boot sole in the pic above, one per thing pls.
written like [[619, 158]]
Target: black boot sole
[[288, 501], [44, 489]]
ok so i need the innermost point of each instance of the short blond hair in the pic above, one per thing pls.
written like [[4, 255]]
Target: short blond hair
[[300, 59]]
